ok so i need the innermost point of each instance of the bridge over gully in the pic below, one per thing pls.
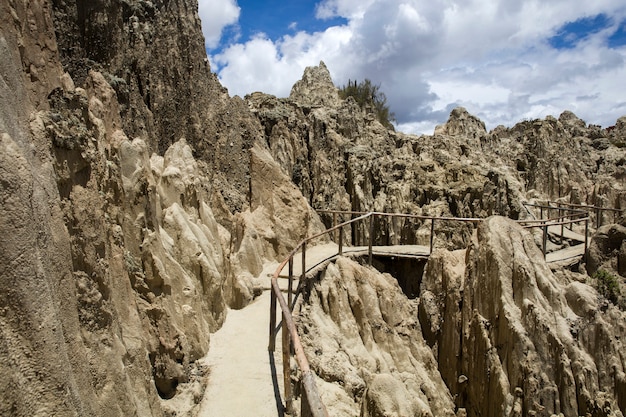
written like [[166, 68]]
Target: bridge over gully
[[244, 376]]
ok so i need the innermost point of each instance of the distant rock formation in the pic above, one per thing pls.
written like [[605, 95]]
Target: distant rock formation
[[341, 157], [315, 89]]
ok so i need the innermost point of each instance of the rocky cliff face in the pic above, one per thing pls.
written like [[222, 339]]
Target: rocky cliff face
[[124, 242], [152, 53], [139, 201], [507, 336], [526, 340]]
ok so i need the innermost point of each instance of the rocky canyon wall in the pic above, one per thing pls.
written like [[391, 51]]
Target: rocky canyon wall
[[152, 53], [139, 201], [342, 158], [128, 209], [494, 332]]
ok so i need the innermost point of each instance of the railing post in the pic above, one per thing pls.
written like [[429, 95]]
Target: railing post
[[541, 211], [598, 218], [432, 235], [311, 405], [287, 367], [341, 240], [562, 220], [571, 225], [371, 239], [353, 232], [586, 231], [303, 276], [290, 286], [545, 239], [272, 343], [335, 224]]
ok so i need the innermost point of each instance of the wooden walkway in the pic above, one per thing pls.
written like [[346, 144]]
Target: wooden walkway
[[566, 256], [318, 257], [569, 255]]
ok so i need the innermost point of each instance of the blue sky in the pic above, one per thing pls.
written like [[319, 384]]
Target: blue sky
[[504, 60], [572, 33], [274, 19]]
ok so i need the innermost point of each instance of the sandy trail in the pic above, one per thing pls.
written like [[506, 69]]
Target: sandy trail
[[242, 380]]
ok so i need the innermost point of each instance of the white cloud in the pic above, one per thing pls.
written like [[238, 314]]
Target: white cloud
[[273, 67], [215, 16], [351, 9], [492, 57]]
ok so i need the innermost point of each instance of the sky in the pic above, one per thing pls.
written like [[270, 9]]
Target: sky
[[503, 60]]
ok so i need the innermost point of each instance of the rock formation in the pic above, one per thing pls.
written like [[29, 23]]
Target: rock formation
[[152, 53], [365, 343], [122, 252], [508, 336], [525, 340], [139, 201], [462, 170]]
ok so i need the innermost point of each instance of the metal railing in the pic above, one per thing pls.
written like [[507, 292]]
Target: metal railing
[[567, 216], [373, 215], [595, 209], [311, 404]]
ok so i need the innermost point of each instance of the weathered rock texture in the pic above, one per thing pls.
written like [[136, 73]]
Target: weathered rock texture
[[152, 53], [363, 339], [341, 157], [139, 200], [607, 249], [508, 336], [514, 338], [123, 243]]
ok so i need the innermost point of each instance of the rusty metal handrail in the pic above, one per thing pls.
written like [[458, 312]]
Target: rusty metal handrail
[[584, 208], [413, 216], [587, 207], [290, 337], [311, 404]]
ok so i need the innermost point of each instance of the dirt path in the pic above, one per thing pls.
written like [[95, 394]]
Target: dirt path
[[241, 379], [244, 379]]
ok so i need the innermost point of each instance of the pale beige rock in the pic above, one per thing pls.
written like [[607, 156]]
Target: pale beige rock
[[509, 336], [441, 294], [361, 332], [519, 332], [278, 219], [463, 124], [316, 88]]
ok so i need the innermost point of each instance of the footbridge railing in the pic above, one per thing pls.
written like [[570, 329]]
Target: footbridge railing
[[567, 216], [311, 403], [597, 210]]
